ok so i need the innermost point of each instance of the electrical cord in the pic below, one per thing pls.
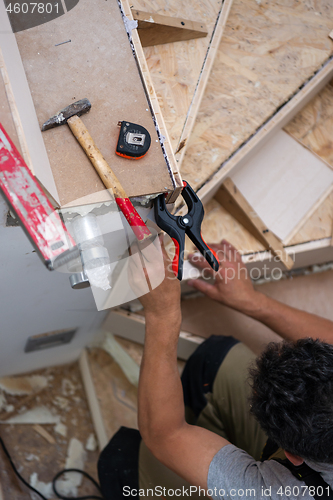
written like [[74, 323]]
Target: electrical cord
[[89, 497]]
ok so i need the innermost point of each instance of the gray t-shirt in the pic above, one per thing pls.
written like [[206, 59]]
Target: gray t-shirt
[[233, 473]]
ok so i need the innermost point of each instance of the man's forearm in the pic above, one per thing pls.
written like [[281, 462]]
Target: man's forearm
[[161, 407], [288, 322]]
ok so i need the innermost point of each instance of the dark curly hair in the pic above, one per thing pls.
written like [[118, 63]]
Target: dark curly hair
[[292, 397]]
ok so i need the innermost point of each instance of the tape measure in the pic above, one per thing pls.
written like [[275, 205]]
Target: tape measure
[[133, 142]]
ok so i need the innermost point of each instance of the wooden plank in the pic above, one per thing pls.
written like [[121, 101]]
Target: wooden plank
[[203, 80], [267, 53], [266, 131], [262, 265], [131, 326], [93, 403], [219, 224], [233, 200], [175, 68], [304, 255], [26, 110], [311, 126], [283, 182], [58, 75], [155, 106], [155, 29]]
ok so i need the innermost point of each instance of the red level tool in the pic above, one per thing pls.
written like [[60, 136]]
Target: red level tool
[[28, 202]]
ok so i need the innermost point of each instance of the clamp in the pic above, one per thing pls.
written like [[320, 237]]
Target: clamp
[[177, 226]]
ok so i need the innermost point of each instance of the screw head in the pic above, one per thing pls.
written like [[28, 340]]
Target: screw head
[[186, 220]]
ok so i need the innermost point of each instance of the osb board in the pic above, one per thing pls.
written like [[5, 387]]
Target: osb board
[[313, 127], [31, 452], [268, 50], [6, 118], [97, 64], [282, 182], [218, 224], [175, 67]]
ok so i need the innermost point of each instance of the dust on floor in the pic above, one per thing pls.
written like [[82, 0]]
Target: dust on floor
[[38, 449]]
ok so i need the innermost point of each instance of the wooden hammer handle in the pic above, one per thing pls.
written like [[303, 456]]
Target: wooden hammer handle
[[108, 177]]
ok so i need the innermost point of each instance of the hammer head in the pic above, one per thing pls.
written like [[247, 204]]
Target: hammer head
[[76, 109]]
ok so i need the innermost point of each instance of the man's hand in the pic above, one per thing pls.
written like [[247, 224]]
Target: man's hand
[[233, 286], [152, 279]]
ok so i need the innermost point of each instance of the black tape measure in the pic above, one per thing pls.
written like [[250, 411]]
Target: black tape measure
[[134, 141]]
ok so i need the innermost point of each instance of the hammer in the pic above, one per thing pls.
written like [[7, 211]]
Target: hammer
[[70, 115]]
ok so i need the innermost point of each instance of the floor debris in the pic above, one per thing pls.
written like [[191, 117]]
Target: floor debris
[[44, 488], [46, 435], [129, 367], [22, 386], [61, 429], [91, 444], [36, 458], [38, 415], [75, 460]]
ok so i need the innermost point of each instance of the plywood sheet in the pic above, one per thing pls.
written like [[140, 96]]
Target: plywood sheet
[[282, 183], [269, 49], [97, 64], [312, 127], [175, 67]]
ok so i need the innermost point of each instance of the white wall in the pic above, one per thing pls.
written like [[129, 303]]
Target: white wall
[[34, 300]]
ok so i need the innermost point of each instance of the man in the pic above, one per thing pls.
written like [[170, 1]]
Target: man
[[291, 398]]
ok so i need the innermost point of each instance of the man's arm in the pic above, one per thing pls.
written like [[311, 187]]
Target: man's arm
[[233, 287], [187, 450]]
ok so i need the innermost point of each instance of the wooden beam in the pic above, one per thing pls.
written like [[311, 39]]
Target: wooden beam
[[155, 29], [267, 130], [131, 326], [311, 253], [93, 402], [150, 92], [232, 200], [203, 79]]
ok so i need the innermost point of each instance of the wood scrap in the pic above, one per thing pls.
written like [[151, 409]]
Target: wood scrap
[[43, 432], [129, 367], [93, 402], [22, 403]]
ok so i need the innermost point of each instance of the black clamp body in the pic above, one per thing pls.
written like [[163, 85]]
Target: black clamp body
[[177, 226]]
